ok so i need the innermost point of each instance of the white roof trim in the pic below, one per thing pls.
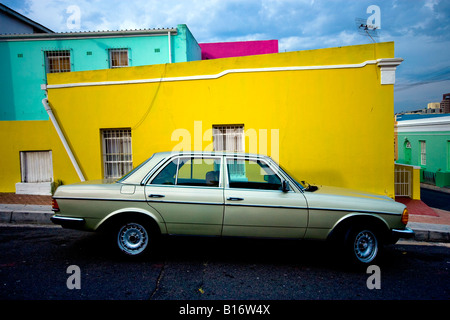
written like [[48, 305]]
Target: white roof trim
[[223, 73], [424, 125]]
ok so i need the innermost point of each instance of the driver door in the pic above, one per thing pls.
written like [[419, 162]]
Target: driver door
[[255, 205]]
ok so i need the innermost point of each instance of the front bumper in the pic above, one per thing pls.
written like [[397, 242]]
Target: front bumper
[[403, 233], [68, 222]]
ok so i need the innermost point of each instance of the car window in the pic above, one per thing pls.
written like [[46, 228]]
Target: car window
[[202, 172], [167, 175], [190, 171], [252, 174]]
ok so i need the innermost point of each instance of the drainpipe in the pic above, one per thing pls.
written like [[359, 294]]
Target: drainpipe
[[170, 47], [63, 139]]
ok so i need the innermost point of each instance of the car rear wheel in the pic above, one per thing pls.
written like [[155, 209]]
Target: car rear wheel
[[133, 238]]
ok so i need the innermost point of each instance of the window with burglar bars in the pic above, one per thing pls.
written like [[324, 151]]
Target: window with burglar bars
[[57, 61], [118, 58], [117, 154], [229, 138]]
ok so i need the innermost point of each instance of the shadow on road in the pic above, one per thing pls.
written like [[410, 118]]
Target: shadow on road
[[302, 253]]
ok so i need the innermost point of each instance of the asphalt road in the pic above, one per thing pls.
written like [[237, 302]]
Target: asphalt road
[[435, 199], [34, 265]]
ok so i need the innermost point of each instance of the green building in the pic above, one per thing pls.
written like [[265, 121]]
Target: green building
[[424, 141], [26, 59]]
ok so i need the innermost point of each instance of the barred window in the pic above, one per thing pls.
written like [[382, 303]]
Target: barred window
[[57, 61], [117, 153], [229, 138], [118, 58]]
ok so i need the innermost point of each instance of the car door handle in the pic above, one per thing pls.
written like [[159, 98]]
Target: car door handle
[[235, 199], [156, 196]]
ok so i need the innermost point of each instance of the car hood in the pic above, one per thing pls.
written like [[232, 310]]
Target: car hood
[[328, 190]]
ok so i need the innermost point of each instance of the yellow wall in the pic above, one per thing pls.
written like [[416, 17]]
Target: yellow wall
[[17, 136], [334, 126]]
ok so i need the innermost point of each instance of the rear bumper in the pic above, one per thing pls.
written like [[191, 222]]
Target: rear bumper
[[403, 233], [68, 222]]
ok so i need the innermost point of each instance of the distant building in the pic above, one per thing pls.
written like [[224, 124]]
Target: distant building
[[442, 107], [237, 49], [445, 103], [424, 141], [13, 22], [434, 107]]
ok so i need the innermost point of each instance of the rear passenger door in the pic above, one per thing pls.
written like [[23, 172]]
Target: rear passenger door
[[188, 193]]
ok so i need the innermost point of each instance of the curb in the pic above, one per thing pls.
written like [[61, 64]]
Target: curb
[[17, 213], [430, 232], [37, 214]]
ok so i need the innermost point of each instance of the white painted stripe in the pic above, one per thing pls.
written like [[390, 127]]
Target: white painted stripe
[[424, 125], [214, 76]]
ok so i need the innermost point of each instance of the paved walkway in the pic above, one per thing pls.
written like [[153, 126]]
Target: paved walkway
[[12, 198]]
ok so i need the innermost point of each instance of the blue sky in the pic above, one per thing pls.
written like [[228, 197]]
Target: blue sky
[[419, 28]]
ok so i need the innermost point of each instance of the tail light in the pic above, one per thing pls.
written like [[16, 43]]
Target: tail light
[[55, 206], [405, 216]]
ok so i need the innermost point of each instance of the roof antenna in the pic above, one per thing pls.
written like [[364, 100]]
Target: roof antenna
[[366, 29]]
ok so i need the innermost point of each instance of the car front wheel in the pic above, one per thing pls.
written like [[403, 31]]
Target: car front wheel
[[362, 245]]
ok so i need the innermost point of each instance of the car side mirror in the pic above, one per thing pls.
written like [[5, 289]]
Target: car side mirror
[[285, 186]]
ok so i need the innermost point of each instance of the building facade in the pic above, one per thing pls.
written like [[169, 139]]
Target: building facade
[[219, 50], [28, 59], [425, 142], [274, 104]]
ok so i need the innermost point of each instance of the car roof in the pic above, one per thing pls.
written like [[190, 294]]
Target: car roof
[[208, 153]]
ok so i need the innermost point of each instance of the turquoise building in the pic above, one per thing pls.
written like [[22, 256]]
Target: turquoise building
[[25, 60], [425, 142]]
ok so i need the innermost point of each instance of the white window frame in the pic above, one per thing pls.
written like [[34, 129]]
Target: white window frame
[[121, 52], [117, 155], [36, 166], [423, 152]]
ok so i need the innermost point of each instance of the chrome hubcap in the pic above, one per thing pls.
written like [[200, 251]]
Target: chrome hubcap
[[132, 238], [365, 246]]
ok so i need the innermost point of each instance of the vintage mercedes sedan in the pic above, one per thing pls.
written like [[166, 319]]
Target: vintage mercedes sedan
[[228, 195]]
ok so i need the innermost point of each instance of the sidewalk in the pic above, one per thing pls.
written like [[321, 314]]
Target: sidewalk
[[428, 223]]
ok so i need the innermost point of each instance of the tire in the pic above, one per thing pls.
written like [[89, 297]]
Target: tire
[[362, 245], [133, 238]]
